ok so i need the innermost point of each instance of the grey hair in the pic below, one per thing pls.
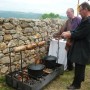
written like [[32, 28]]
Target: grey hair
[[72, 10]]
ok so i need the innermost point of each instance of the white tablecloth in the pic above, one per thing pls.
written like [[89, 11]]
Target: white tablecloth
[[53, 50]]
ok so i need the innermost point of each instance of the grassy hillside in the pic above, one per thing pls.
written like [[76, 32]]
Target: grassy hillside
[[7, 14], [14, 14]]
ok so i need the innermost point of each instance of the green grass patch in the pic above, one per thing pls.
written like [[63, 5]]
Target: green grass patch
[[2, 79]]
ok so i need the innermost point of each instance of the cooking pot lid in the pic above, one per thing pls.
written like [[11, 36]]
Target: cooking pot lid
[[36, 66], [50, 57]]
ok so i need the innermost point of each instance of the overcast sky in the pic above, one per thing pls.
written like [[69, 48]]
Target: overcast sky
[[40, 6]]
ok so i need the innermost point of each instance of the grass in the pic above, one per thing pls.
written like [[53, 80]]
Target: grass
[[3, 85], [59, 83]]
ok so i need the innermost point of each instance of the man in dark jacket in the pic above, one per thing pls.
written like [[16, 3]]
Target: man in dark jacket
[[80, 49]]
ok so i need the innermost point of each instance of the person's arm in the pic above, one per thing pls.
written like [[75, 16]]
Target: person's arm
[[81, 32], [78, 33]]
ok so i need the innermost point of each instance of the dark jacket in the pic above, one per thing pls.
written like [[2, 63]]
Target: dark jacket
[[80, 50]]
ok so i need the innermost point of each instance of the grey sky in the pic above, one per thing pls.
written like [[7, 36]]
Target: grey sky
[[39, 6]]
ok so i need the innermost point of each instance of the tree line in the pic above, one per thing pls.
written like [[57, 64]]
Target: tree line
[[50, 15]]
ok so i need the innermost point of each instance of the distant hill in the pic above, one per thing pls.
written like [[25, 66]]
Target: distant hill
[[63, 17], [15, 14]]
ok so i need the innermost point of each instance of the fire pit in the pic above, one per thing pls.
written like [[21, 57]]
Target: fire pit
[[20, 80], [23, 79]]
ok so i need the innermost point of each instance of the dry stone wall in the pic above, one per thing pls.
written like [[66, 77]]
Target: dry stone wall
[[16, 32]]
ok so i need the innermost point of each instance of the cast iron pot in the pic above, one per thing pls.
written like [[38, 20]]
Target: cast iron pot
[[35, 70], [50, 61]]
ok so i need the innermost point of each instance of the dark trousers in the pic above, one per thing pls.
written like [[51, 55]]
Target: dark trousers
[[79, 74], [69, 63]]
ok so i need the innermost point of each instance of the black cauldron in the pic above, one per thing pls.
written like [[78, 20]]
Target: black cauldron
[[35, 70], [50, 61]]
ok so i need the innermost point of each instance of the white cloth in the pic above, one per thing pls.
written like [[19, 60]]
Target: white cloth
[[60, 52]]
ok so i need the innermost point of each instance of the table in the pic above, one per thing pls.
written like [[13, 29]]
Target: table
[[59, 52]]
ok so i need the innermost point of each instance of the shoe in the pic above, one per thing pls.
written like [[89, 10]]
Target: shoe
[[72, 87]]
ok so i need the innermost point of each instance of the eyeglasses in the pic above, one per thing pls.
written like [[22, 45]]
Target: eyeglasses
[[80, 9]]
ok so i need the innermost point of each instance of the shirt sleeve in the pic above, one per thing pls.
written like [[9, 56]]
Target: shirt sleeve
[[78, 20]]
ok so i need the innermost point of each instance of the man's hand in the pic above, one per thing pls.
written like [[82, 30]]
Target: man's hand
[[56, 35], [66, 34]]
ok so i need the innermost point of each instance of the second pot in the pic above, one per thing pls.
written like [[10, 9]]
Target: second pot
[[50, 61]]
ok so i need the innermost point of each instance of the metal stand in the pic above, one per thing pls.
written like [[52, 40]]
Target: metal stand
[[21, 65], [10, 60], [58, 51]]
